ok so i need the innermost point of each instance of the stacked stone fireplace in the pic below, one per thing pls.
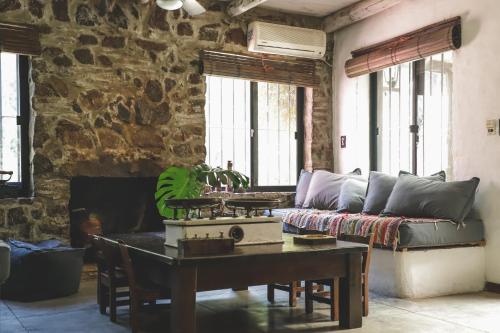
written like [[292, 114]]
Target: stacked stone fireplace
[[117, 93], [111, 205]]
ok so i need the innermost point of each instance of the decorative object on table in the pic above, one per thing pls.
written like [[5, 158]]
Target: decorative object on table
[[244, 231], [252, 204], [5, 173], [188, 183], [187, 205], [216, 177], [205, 246], [314, 239]]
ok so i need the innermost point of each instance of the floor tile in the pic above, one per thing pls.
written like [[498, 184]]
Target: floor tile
[[11, 326], [226, 311]]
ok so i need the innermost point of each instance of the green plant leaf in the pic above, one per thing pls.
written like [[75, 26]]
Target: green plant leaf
[[176, 183]]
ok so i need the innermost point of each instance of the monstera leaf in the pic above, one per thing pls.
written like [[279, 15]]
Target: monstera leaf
[[176, 183], [217, 176]]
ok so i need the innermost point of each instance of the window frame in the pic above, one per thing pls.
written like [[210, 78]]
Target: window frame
[[23, 188], [254, 141]]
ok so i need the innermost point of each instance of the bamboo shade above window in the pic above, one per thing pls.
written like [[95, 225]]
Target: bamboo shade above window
[[300, 73], [19, 38], [436, 38]]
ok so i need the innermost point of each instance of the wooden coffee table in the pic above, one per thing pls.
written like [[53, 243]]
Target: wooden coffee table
[[252, 265]]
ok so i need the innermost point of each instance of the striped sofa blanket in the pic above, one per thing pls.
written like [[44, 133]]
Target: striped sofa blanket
[[385, 228]]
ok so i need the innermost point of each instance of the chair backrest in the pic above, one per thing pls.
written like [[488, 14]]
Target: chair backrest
[[368, 240], [127, 264], [112, 256], [98, 244]]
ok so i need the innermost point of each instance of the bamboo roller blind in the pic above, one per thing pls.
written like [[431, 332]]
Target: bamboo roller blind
[[436, 38], [297, 72], [19, 38]]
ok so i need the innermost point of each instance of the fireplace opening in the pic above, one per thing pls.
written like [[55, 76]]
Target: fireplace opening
[[111, 205]]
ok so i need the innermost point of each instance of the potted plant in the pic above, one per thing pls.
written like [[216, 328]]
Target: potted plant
[[186, 183]]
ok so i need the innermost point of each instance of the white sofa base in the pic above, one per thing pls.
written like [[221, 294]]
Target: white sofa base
[[427, 273]]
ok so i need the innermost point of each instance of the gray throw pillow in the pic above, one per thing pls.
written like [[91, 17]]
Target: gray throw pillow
[[324, 189], [302, 187], [380, 186], [352, 196], [414, 196]]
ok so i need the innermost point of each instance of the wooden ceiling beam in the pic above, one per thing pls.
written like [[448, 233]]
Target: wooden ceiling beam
[[356, 12], [237, 7]]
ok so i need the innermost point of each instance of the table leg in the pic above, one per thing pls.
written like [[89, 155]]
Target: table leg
[[183, 314], [350, 293]]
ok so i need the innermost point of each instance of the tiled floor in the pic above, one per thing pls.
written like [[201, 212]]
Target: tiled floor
[[248, 312]]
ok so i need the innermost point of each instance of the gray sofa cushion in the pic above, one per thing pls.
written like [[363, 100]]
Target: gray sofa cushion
[[380, 186], [414, 196], [302, 187], [4, 261], [352, 196], [324, 189]]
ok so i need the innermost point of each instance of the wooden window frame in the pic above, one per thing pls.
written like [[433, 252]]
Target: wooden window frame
[[23, 188]]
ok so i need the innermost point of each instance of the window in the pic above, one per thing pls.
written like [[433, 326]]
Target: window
[[256, 126], [412, 116], [14, 112]]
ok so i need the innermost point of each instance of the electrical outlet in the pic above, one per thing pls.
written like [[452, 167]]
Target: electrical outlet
[[343, 142], [492, 126]]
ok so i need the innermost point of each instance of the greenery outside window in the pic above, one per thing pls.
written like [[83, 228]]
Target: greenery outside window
[[14, 124], [257, 126], [411, 116]]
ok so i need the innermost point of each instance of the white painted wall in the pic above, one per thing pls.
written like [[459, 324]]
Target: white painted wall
[[476, 98], [427, 273]]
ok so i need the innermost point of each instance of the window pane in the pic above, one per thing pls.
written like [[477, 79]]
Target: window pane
[[434, 117], [9, 130], [394, 118], [277, 123], [427, 83], [227, 115], [228, 119]]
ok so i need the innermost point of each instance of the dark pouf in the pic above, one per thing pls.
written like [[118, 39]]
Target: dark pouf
[[4, 261], [42, 271]]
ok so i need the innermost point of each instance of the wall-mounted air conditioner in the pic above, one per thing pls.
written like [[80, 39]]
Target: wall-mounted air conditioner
[[286, 40]]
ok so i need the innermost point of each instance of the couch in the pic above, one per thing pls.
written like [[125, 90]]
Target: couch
[[426, 232]]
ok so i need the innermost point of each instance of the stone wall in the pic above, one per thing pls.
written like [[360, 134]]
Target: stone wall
[[118, 94]]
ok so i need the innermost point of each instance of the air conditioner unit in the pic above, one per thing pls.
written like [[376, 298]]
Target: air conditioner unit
[[286, 40]]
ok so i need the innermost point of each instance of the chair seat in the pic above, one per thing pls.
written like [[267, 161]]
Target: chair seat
[[120, 279]]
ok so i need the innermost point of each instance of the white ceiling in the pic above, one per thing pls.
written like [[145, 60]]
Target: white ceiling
[[308, 7]]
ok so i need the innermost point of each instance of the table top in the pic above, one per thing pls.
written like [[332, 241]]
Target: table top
[[152, 243]]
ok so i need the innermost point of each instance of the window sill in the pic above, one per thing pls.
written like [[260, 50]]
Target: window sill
[[12, 192]]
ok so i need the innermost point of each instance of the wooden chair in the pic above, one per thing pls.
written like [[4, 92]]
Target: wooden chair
[[141, 290], [110, 277], [294, 290], [331, 297]]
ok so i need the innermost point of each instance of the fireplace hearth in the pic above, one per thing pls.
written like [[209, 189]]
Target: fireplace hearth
[[109, 205]]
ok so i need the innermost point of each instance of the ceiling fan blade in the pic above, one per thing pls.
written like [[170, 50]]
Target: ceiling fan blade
[[192, 7]]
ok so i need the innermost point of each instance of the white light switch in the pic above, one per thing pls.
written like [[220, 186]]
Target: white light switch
[[492, 126]]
